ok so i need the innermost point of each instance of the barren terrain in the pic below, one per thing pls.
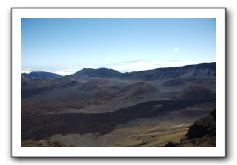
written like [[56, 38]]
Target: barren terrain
[[103, 107]]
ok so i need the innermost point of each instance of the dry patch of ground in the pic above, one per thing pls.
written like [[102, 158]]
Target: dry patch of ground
[[140, 133], [151, 134]]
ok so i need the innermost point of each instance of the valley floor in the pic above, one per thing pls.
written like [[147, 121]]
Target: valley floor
[[141, 132]]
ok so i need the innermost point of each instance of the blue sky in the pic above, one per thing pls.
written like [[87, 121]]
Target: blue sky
[[64, 45]]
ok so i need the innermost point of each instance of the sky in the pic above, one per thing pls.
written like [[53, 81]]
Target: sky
[[66, 45]]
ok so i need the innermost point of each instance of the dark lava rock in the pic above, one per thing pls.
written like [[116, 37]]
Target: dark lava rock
[[203, 127], [201, 134], [171, 144]]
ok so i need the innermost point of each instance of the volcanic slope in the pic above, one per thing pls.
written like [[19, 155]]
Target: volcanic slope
[[99, 102]]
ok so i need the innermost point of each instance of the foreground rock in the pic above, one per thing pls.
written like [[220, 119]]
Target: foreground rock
[[201, 134]]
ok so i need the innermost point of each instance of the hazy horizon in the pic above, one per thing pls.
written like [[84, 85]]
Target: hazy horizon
[[42, 69], [64, 46]]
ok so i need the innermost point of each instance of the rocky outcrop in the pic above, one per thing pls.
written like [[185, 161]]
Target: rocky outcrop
[[203, 127], [201, 134]]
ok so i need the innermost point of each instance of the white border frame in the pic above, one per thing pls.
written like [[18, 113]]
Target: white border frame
[[218, 151]]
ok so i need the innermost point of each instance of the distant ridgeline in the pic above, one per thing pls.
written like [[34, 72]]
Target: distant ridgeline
[[41, 75], [203, 70], [188, 71]]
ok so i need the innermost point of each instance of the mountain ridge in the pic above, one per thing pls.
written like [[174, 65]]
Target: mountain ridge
[[41, 75], [194, 70]]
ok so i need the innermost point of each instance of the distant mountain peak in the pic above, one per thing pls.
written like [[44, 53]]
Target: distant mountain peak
[[41, 75], [202, 70], [99, 72]]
